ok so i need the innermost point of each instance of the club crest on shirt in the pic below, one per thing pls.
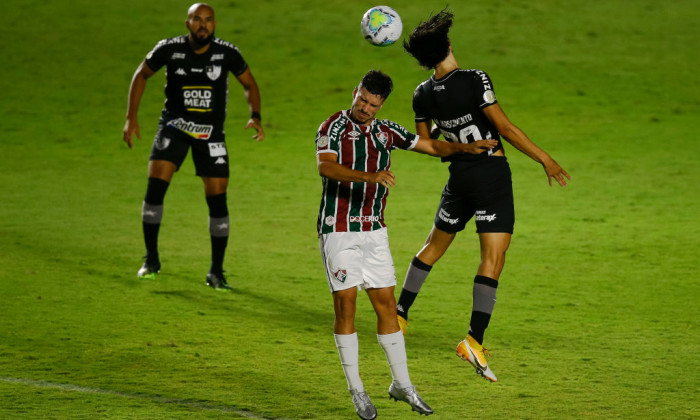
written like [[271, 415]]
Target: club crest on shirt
[[213, 72], [341, 275], [383, 138]]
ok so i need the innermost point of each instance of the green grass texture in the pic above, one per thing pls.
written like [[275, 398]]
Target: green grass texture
[[597, 313]]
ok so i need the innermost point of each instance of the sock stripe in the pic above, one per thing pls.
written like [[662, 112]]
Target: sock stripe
[[488, 281], [420, 264]]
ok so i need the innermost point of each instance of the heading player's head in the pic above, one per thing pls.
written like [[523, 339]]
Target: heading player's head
[[201, 23], [369, 96], [429, 42]]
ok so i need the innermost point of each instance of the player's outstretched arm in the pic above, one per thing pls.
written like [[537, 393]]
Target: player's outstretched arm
[[444, 148], [252, 96], [136, 89], [328, 167], [515, 136]]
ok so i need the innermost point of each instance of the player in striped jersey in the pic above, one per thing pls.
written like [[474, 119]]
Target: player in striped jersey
[[463, 107], [353, 151]]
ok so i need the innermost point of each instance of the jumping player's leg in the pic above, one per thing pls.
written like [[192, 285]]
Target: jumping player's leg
[[435, 247], [160, 173], [388, 334], [344, 304], [493, 257], [391, 340]]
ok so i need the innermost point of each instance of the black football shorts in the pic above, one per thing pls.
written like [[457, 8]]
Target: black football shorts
[[209, 154], [481, 189]]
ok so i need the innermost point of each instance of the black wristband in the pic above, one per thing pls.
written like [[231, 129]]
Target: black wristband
[[256, 115]]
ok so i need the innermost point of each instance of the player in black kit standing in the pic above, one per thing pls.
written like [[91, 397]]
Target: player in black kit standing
[[197, 67], [463, 107]]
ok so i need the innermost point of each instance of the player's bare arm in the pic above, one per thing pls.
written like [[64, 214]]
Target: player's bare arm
[[520, 141], [252, 95], [328, 167], [136, 89], [443, 148]]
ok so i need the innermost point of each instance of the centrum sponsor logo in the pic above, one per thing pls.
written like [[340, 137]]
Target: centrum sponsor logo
[[445, 216], [198, 131], [354, 219], [482, 216]]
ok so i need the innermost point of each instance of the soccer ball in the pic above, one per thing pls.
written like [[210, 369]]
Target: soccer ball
[[381, 26]]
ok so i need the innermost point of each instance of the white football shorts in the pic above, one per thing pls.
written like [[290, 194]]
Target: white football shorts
[[357, 259]]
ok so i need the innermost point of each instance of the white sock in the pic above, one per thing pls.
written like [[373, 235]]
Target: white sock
[[348, 350], [395, 350]]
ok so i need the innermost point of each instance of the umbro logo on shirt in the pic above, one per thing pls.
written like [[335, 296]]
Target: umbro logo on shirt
[[354, 135]]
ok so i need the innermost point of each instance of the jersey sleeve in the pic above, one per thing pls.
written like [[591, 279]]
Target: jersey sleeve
[[421, 107], [328, 135], [484, 89], [158, 56], [401, 138], [235, 63]]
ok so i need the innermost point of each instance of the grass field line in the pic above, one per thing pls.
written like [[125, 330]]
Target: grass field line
[[154, 398]]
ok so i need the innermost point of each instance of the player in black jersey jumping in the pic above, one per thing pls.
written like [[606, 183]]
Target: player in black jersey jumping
[[461, 105], [197, 67]]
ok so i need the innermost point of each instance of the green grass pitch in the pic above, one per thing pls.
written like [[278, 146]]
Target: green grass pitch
[[598, 306]]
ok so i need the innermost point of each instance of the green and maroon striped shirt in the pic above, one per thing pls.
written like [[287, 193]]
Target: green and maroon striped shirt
[[357, 206]]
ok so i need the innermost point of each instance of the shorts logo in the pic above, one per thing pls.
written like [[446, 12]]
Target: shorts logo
[[198, 131], [162, 143], [330, 220], [481, 216], [220, 161], [341, 275], [489, 97], [445, 217], [213, 72], [217, 149]]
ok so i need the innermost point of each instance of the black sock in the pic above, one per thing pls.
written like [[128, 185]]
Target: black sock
[[484, 295], [415, 276], [219, 231], [151, 216], [405, 301]]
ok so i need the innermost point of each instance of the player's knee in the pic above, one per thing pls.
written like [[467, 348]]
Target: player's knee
[[155, 192], [218, 206]]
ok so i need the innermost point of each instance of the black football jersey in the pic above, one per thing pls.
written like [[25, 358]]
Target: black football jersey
[[455, 103], [196, 84]]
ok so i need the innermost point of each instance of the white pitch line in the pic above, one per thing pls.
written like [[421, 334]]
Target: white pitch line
[[154, 398]]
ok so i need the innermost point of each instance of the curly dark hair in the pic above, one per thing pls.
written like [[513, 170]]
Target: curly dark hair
[[378, 83], [429, 43]]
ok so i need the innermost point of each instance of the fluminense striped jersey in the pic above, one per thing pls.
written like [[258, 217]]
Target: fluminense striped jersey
[[357, 206]]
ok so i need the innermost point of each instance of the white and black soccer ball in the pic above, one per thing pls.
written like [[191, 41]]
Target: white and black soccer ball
[[381, 26]]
